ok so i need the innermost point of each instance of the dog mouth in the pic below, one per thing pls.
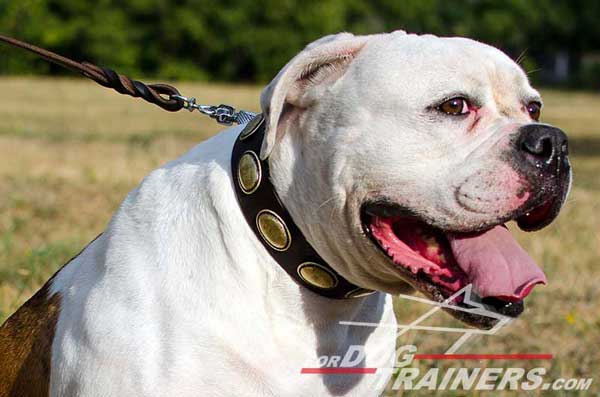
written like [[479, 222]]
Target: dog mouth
[[439, 263]]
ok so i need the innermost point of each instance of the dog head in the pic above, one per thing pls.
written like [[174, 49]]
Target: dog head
[[401, 157]]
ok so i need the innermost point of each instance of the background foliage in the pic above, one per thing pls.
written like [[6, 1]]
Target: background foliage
[[250, 40]]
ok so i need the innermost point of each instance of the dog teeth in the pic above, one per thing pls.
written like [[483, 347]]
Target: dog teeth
[[432, 250], [444, 272]]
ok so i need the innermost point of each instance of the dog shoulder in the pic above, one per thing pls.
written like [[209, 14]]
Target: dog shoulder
[[26, 340], [27, 337]]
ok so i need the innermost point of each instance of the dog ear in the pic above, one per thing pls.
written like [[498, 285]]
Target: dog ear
[[299, 83]]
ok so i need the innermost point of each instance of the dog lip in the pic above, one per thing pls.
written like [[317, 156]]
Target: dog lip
[[387, 208], [539, 215], [506, 308]]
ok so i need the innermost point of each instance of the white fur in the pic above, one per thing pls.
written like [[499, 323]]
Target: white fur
[[178, 297]]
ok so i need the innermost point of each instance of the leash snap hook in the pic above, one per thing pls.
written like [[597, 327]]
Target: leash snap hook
[[223, 114], [187, 103]]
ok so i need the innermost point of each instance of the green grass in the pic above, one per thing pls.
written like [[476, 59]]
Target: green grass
[[71, 151]]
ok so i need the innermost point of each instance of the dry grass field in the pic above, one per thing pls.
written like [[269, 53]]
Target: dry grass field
[[71, 150]]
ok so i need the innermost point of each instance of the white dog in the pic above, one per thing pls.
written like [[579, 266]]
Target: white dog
[[398, 157]]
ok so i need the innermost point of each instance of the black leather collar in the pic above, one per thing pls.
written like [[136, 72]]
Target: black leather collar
[[274, 226]]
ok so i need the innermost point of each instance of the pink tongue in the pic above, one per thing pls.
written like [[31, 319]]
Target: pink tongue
[[496, 264]]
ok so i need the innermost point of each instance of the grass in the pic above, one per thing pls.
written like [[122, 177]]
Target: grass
[[71, 151]]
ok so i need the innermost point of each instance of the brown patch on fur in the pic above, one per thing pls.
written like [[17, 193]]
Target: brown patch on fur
[[26, 346], [26, 343]]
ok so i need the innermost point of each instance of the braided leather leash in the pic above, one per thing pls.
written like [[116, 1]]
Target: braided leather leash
[[163, 95]]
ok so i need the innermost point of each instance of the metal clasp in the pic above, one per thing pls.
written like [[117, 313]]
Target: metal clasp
[[224, 114]]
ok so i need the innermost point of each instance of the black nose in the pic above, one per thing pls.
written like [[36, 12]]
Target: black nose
[[543, 144]]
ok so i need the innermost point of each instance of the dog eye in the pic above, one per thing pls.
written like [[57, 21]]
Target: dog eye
[[534, 109], [455, 106]]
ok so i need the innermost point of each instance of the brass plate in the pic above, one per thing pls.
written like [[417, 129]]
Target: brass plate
[[273, 230], [359, 293], [249, 172], [317, 275], [251, 127]]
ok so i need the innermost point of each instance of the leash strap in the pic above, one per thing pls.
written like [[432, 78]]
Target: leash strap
[[108, 78], [274, 226], [165, 96]]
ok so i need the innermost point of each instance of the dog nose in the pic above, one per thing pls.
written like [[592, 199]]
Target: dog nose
[[543, 143]]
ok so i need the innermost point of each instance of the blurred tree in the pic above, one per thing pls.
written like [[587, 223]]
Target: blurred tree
[[249, 40]]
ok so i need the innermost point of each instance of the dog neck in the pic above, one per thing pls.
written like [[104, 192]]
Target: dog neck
[[274, 226]]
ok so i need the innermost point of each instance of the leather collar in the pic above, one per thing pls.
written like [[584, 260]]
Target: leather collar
[[274, 226]]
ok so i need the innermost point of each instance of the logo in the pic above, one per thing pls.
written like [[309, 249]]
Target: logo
[[403, 376]]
